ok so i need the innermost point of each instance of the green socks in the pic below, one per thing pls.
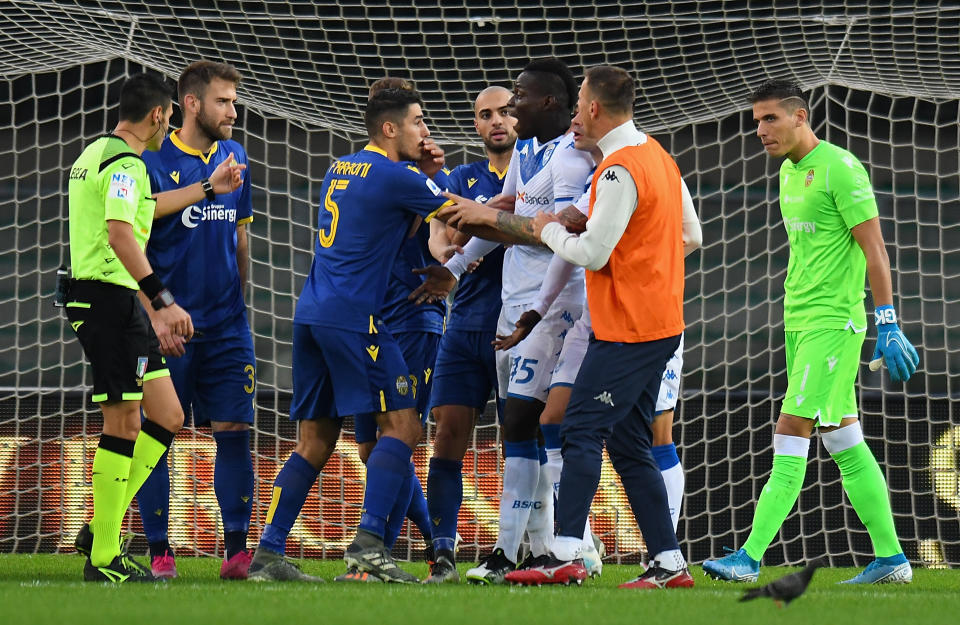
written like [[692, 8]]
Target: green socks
[[111, 469], [120, 467], [866, 488], [776, 500], [150, 446]]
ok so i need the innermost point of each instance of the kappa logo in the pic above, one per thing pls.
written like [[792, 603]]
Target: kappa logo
[[605, 398], [374, 351], [611, 175], [670, 375], [176, 176], [471, 182]]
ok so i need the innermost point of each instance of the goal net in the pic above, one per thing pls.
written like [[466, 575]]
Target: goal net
[[884, 83]]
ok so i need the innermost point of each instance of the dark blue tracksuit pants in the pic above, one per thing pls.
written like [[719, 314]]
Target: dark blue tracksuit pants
[[612, 402]]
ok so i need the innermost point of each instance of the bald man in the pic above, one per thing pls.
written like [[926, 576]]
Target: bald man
[[466, 369]]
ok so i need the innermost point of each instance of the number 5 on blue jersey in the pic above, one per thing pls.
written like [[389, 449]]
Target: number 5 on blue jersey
[[326, 240]]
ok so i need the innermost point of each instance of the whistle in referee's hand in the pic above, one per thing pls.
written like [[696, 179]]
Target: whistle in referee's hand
[[63, 287]]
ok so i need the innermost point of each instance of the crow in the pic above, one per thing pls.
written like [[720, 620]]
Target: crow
[[788, 587]]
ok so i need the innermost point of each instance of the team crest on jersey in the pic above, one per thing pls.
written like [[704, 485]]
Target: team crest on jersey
[[809, 178], [471, 182], [403, 387], [176, 176], [532, 165]]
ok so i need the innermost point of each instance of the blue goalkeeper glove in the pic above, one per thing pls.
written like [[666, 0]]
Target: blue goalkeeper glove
[[893, 347]]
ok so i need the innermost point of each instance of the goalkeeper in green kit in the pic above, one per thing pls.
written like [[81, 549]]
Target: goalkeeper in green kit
[[833, 227]]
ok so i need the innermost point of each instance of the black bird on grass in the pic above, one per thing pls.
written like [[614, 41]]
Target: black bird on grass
[[788, 587]]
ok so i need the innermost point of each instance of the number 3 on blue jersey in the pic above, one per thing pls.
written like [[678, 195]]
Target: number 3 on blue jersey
[[326, 240]]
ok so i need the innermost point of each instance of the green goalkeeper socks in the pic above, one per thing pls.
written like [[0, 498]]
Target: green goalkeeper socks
[[150, 446], [776, 500], [111, 468], [866, 488]]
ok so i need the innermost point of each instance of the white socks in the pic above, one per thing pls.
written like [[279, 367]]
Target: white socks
[[520, 479], [673, 480], [540, 524]]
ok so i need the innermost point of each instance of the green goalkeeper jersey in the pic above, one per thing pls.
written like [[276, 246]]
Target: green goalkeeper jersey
[[822, 197], [108, 181]]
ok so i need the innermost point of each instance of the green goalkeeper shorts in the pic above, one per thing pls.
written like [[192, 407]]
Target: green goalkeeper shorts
[[822, 370]]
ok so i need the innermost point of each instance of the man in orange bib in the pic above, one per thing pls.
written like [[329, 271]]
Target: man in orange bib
[[632, 249]]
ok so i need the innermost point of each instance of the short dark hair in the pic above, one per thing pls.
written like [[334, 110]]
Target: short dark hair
[[391, 103], [562, 86], [780, 89], [612, 86], [390, 82], [195, 78], [140, 94]]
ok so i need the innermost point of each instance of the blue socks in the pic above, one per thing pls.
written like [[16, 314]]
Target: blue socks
[[666, 456], [387, 468], [153, 499], [233, 484], [290, 491], [444, 496], [551, 435], [417, 512], [399, 511]]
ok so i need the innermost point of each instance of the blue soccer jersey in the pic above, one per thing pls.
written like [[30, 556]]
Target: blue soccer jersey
[[194, 251], [368, 203], [476, 305]]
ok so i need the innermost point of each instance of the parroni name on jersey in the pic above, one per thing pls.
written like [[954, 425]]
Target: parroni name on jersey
[[344, 168]]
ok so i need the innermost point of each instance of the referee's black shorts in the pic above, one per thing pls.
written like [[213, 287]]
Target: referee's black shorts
[[117, 338]]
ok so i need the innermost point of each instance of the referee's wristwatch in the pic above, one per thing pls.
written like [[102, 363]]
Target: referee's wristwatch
[[163, 299], [208, 189]]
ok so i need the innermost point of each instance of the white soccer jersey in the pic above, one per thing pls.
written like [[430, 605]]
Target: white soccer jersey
[[544, 177]]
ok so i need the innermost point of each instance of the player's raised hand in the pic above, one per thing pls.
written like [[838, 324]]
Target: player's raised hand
[[525, 325], [228, 176], [893, 347], [466, 212], [437, 285], [431, 157]]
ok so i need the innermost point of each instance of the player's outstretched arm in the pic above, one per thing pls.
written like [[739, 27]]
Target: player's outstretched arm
[[488, 223], [893, 348], [227, 177]]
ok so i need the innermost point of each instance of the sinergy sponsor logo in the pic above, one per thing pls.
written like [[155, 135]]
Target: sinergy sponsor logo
[[193, 215]]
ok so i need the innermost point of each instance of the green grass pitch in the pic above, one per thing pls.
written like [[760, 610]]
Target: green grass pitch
[[46, 589]]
